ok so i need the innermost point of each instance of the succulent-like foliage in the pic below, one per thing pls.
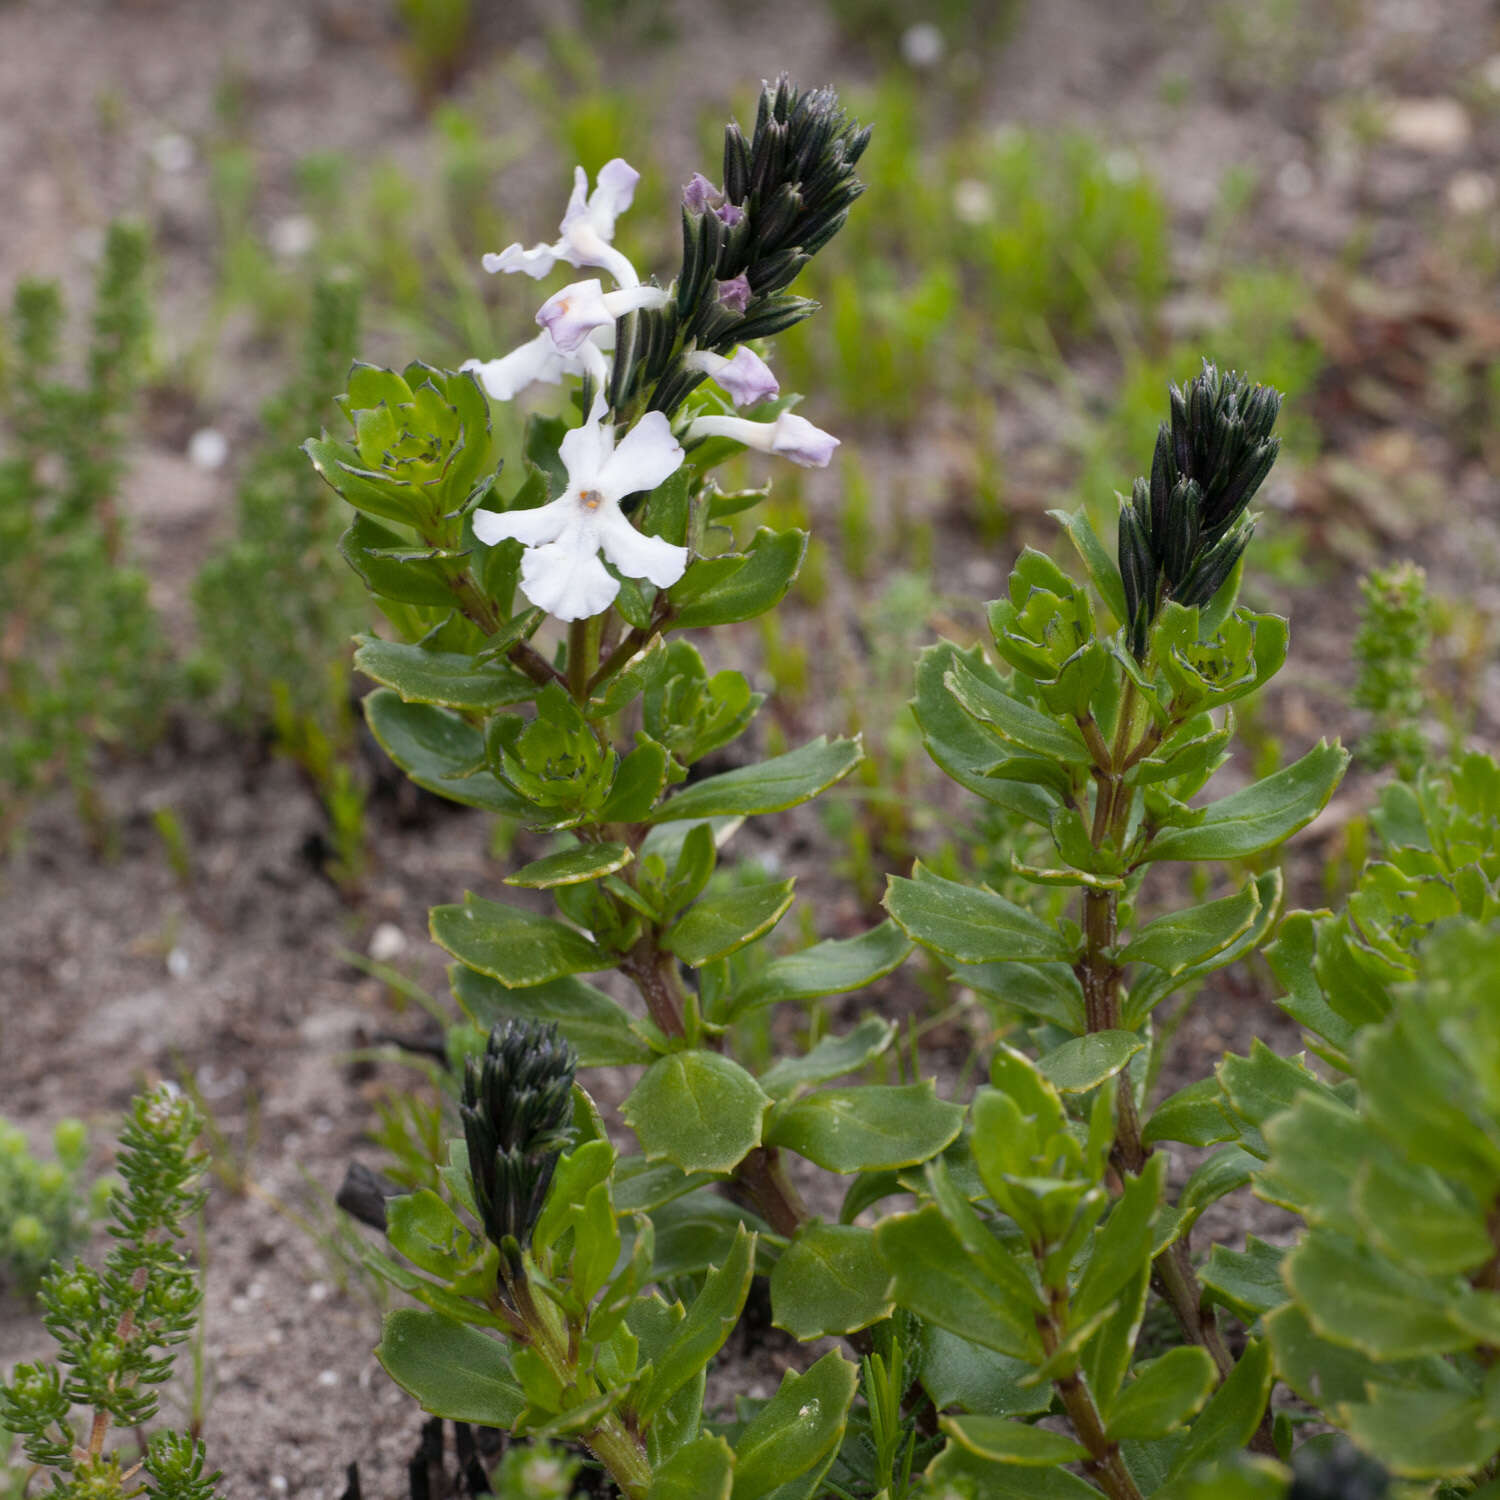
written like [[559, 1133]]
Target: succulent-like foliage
[[1395, 632], [1184, 530], [517, 1102]]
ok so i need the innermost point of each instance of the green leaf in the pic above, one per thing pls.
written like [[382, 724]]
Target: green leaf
[[572, 866], [958, 1470], [700, 1470], [1050, 991], [796, 1429], [771, 786], [1234, 1412], [957, 1372], [368, 547], [867, 1128], [641, 1185], [1017, 723], [958, 745], [1261, 815], [430, 1235], [773, 560], [640, 779], [833, 1057], [1291, 958], [1190, 939], [969, 923], [1163, 1395], [448, 679], [1424, 1434], [1122, 1244], [831, 1279], [1100, 566], [698, 1110], [720, 925], [1086, 1061], [938, 1281], [1264, 1084], [452, 1370], [1248, 1282], [1005, 1442], [1419, 1219], [701, 1334], [834, 967], [599, 1030], [1194, 1115], [695, 1232], [515, 947], [440, 752], [1353, 1297]]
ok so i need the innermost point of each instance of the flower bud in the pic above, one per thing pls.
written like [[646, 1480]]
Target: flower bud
[[516, 1108]]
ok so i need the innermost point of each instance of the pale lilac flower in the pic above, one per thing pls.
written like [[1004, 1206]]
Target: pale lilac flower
[[789, 436], [587, 229], [560, 569], [700, 196], [573, 313], [735, 293], [540, 360], [746, 377]]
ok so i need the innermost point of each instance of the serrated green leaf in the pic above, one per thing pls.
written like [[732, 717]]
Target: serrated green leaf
[[1017, 723], [700, 1470], [518, 948], [772, 561], [430, 1235], [698, 1110], [831, 1279], [970, 923], [720, 925], [1195, 1115], [1190, 939], [368, 547], [1262, 815], [639, 782], [1232, 1414], [1100, 566], [958, 1372], [1248, 1282], [959, 1470], [868, 1128], [1424, 1434]]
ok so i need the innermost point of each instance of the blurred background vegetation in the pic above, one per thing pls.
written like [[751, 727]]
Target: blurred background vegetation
[[1068, 205]]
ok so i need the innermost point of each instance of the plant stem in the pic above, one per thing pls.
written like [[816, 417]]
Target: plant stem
[[763, 1185], [653, 971], [1104, 1465]]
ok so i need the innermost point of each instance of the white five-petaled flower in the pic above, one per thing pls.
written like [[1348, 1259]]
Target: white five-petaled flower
[[789, 436], [570, 315], [560, 569], [587, 229], [746, 376], [540, 359]]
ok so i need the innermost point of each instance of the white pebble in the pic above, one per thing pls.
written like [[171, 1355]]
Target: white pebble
[[208, 448], [387, 942], [172, 152], [292, 236], [922, 45], [179, 965], [319, 1291], [328, 1377], [1436, 126], [1471, 193]]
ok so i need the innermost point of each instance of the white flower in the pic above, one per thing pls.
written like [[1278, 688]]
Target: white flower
[[746, 377], [789, 436], [560, 569], [573, 313], [540, 359], [587, 229]]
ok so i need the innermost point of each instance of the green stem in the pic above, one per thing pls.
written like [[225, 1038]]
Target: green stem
[[1104, 1465]]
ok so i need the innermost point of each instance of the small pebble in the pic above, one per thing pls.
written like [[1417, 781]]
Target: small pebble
[[387, 943], [208, 448], [922, 45], [1436, 126], [292, 236], [319, 1291], [328, 1377], [1471, 193], [179, 965], [172, 152]]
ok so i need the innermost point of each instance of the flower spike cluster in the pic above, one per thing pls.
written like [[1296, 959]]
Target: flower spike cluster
[[641, 350], [517, 1103], [1182, 533]]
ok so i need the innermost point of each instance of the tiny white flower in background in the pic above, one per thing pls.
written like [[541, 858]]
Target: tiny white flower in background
[[208, 448], [573, 313], [922, 45], [540, 360], [789, 436], [292, 236], [746, 377], [587, 229], [560, 569], [973, 203]]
